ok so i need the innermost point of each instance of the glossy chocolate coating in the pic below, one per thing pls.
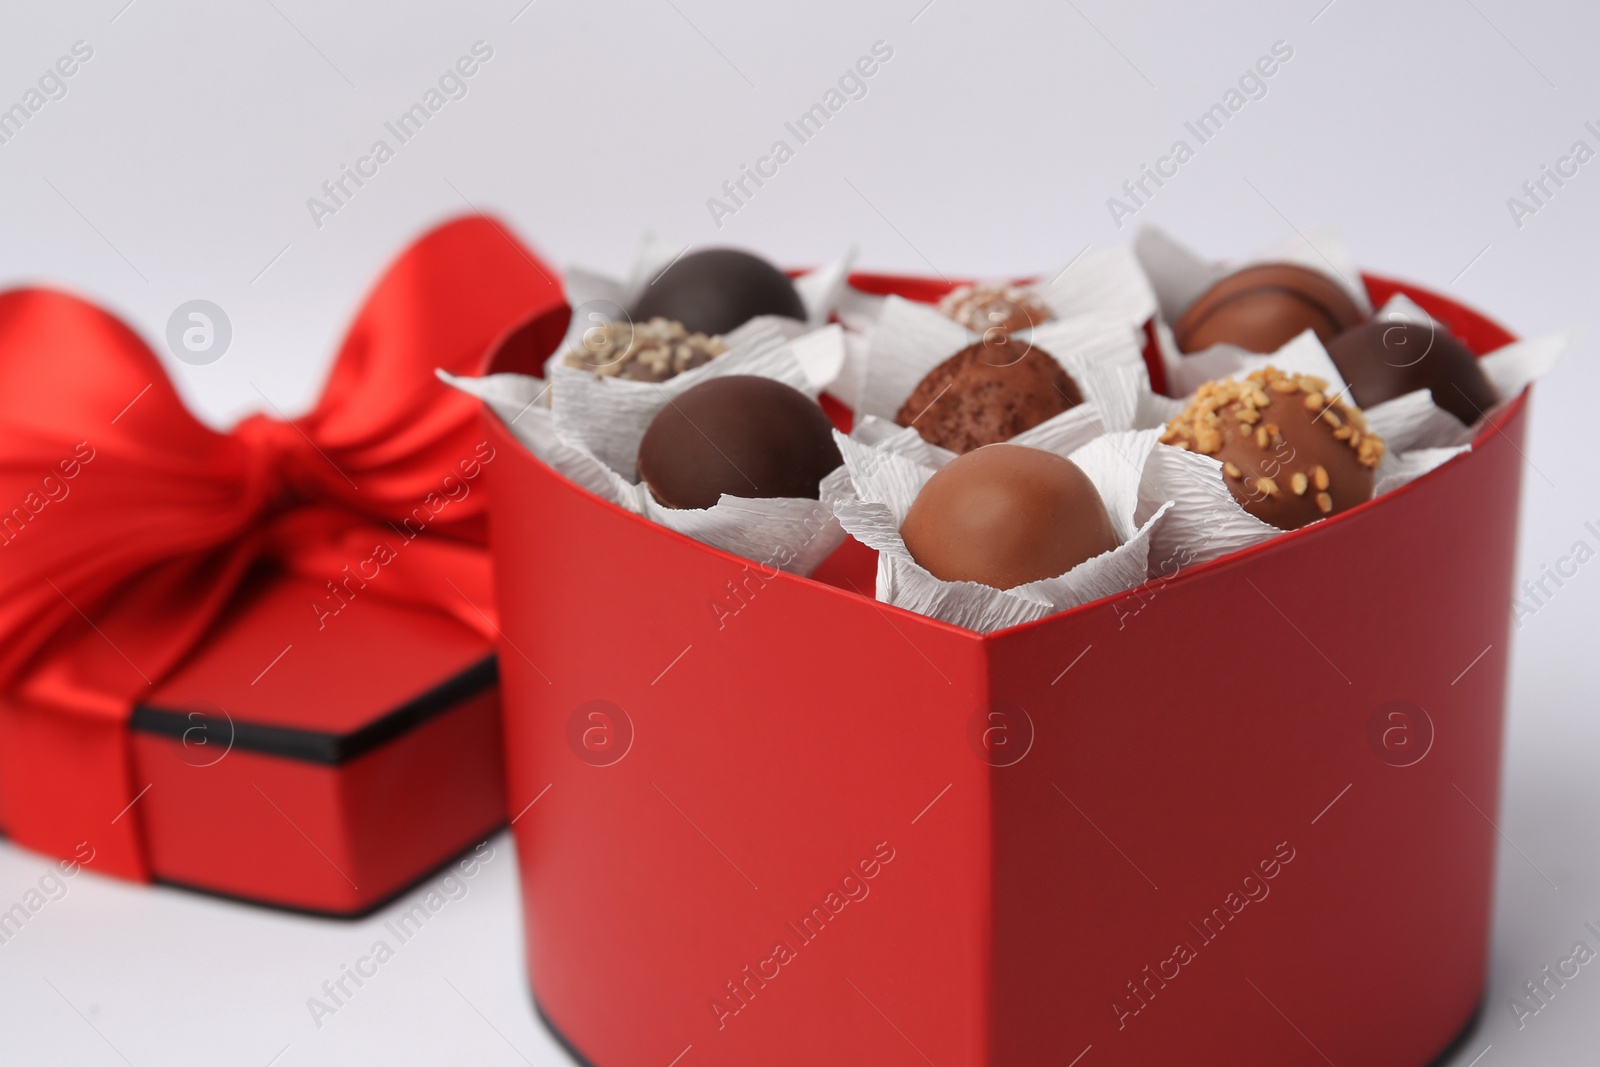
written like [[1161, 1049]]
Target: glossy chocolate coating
[[1290, 454], [1263, 308], [1006, 515], [718, 290], [987, 393], [1383, 360], [741, 435]]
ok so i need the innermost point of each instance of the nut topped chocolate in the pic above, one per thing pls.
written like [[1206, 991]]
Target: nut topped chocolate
[[1006, 515], [643, 352], [1263, 308], [1290, 453], [1006, 308], [987, 393], [737, 434], [717, 291], [1384, 360]]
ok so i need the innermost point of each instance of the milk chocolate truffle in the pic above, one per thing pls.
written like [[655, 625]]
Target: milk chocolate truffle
[[1006, 308], [988, 392], [1383, 360], [737, 434], [1262, 308], [717, 291], [1290, 453], [643, 352], [1006, 515]]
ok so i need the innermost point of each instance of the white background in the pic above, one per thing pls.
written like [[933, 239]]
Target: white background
[[180, 162]]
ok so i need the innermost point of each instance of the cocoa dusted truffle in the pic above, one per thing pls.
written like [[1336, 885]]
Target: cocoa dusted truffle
[[644, 352], [737, 434], [717, 291], [1006, 308], [988, 392], [1383, 360], [1006, 515], [1290, 453], [1262, 308]]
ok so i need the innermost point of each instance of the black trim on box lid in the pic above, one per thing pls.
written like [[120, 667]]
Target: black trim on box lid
[[315, 746]]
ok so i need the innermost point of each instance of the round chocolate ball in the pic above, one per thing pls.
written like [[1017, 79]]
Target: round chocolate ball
[[987, 393], [1263, 308], [1383, 360], [740, 435], [1006, 515], [1290, 453], [718, 290]]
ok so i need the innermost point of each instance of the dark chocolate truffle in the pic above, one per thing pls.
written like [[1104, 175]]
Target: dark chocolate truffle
[[644, 352], [1290, 453], [988, 392], [1263, 308], [1006, 308], [717, 291], [737, 434], [1383, 360], [1006, 515]]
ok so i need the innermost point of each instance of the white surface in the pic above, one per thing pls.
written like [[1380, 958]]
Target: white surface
[[179, 163]]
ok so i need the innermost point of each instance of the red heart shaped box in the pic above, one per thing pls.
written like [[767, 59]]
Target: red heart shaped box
[[819, 844]]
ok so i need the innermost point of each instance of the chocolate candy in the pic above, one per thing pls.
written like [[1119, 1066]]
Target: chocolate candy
[[1290, 453], [644, 352], [740, 435], [1005, 515], [1006, 308], [717, 291], [988, 392], [1263, 308], [1383, 360]]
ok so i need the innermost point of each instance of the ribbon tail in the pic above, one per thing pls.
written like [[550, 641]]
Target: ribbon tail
[[72, 803]]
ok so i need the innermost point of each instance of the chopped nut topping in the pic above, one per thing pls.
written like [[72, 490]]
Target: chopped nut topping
[[1319, 477], [1231, 471], [1298, 483], [1324, 503], [646, 352]]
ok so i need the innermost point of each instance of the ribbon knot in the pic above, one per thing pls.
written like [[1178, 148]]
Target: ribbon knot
[[284, 467], [126, 525]]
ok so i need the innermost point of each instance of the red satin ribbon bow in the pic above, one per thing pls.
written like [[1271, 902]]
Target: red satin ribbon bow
[[126, 525]]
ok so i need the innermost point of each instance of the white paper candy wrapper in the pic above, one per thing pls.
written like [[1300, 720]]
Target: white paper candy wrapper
[[1205, 520], [591, 427], [1414, 421], [598, 299], [1178, 275], [887, 476], [1106, 282], [1100, 352]]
